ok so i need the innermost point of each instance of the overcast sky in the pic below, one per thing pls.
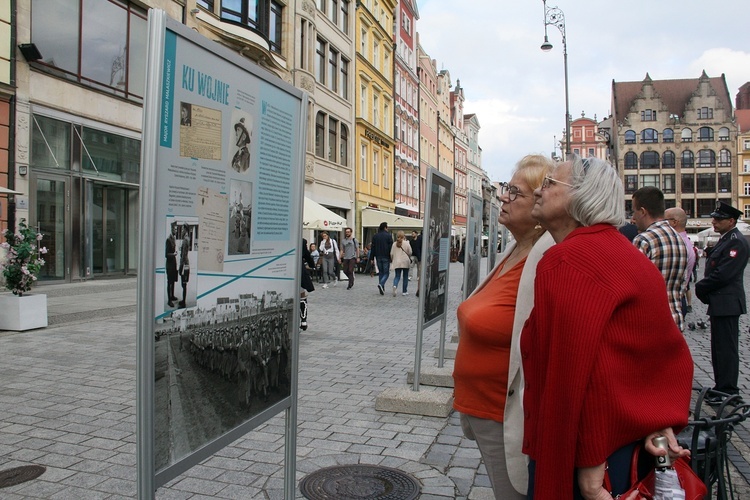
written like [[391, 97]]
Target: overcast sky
[[517, 90]]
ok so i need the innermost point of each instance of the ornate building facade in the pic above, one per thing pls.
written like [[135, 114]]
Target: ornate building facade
[[742, 115], [374, 113], [586, 139], [460, 155], [428, 119], [679, 136], [325, 68], [406, 91]]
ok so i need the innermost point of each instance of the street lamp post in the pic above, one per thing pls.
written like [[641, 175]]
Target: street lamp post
[[553, 16]]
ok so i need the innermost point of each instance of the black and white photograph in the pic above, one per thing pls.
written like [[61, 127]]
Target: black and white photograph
[[435, 252], [493, 239], [186, 114], [218, 367], [240, 141], [240, 217], [178, 289], [473, 245]]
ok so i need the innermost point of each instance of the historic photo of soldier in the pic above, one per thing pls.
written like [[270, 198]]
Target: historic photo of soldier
[[218, 366], [187, 261], [240, 141], [179, 287], [170, 265], [186, 114], [240, 217]]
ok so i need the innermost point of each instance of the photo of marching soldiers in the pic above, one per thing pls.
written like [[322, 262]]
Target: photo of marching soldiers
[[240, 216], [218, 367]]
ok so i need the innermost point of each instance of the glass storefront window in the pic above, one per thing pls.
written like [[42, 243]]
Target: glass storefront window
[[114, 156], [104, 39], [136, 52], [100, 43], [50, 143], [50, 200], [55, 32]]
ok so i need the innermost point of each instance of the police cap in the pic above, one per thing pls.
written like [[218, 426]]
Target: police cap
[[725, 211]]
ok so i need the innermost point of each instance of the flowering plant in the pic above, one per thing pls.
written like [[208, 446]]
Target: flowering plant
[[22, 261]]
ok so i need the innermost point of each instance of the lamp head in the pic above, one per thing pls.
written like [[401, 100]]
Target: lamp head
[[546, 46]]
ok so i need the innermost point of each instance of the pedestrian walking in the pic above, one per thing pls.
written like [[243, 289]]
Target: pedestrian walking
[[349, 255], [381, 253], [306, 284], [400, 259], [329, 254], [723, 289], [416, 255]]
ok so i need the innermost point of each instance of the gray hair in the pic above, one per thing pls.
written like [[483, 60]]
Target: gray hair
[[598, 197]]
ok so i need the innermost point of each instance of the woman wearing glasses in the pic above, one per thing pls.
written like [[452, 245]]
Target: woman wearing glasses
[[605, 365], [487, 374]]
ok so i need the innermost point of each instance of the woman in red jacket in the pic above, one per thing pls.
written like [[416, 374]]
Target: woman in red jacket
[[605, 365]]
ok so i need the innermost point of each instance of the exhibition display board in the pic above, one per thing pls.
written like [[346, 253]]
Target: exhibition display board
[[218, 284], [473, 244]]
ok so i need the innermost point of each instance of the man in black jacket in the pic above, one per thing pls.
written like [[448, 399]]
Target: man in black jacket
[[722, 288], [381, 252]]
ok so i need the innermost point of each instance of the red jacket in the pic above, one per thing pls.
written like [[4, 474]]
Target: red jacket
[[605, 363]]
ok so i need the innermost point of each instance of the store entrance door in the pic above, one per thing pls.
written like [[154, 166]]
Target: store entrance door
[[52, 214], [107, 232]]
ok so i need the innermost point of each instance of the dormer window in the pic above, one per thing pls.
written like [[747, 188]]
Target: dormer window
[[705, 113], [648, 115]]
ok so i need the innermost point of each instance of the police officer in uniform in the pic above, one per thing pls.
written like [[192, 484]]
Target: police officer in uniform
[[723, 290]]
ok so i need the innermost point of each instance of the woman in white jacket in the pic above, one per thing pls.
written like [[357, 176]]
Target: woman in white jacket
[[329, 255], [400, 261], [487, 375]]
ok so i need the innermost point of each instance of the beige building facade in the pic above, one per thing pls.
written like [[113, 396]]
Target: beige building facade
[[7, 103], [679, 136], [325, 69], [78, 115], [428, 119]]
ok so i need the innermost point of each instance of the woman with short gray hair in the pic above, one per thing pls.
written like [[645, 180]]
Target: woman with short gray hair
[[605, 365]]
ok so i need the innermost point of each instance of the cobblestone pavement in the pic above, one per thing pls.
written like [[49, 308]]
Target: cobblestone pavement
[[67, 401]]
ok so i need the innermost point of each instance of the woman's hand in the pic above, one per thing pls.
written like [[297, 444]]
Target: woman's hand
[[591, 482], [675, 450]]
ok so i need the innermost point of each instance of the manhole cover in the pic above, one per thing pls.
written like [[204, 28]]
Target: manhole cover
[[357, 482], [18, 475]]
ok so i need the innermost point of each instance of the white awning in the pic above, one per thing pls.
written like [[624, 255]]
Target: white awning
[[372, 217], [316, 216]]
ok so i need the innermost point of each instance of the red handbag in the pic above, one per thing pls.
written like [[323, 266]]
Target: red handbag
[[689, 480]]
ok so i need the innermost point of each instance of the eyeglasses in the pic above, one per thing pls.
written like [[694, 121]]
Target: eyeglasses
[[550, 181], [511, 191]]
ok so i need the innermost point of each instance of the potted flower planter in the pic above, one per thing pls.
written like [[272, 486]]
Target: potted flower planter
[[20, 264], [20, 313]]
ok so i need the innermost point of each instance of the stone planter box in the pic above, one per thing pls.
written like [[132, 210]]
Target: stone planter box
[[23, 313]]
